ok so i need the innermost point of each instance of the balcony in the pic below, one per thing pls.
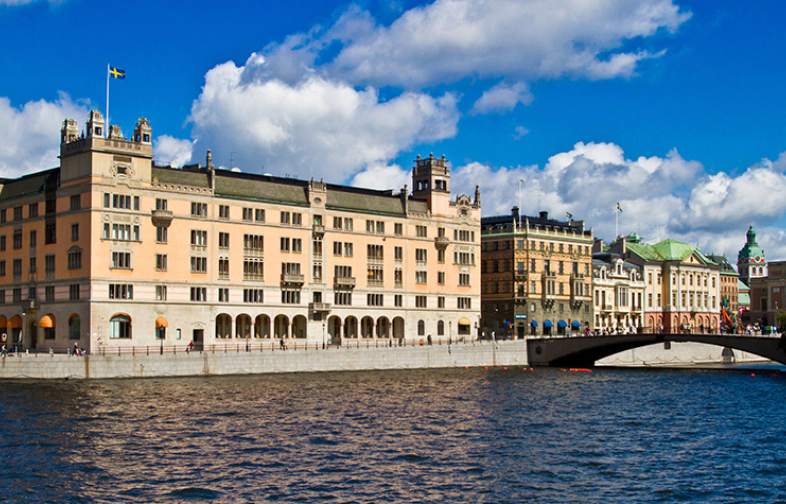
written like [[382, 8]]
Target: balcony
[[441, 242], [520, 275], [318, 229], [162, 218], [319, 307], [292, 278], [344, 282]]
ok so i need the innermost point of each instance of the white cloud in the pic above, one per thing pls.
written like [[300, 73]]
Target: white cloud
[[172, 151], [661, 197], [502, 98], [381, 176], [31, 134], [520, 132], [449, 40], [315, 127]]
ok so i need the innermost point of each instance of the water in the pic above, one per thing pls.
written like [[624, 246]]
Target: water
[[613, 435]]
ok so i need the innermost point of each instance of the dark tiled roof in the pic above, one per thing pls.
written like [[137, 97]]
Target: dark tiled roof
[[29, 184]]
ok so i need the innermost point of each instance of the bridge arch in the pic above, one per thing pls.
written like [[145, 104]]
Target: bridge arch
[[585, 351]]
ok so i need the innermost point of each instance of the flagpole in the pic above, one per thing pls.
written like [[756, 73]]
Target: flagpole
[[106, 125], [617, 218]]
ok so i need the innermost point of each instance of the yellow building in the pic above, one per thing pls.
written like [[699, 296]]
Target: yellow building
[[110, 250], [536, 275]]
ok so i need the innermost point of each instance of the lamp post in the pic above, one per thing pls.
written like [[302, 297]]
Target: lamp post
[[323, 335]]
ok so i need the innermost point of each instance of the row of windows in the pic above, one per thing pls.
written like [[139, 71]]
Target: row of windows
[[32, 293], [74, 262], [32, 209]]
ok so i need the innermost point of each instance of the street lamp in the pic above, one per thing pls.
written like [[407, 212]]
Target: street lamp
[[323, 335]]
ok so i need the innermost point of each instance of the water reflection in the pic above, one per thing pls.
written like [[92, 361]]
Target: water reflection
[[399, 436]]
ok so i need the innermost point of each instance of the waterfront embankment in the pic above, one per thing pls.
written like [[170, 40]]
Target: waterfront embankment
[[239, 361]]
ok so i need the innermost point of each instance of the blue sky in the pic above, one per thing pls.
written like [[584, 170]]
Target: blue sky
[[674, 108]]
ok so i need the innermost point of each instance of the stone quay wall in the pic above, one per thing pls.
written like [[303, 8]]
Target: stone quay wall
[[237, 362]]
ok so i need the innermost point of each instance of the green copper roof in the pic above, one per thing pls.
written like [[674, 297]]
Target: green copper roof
[[667, 250], [751, 248]]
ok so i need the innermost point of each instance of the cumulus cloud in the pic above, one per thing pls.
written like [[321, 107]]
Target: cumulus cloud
[[31, 133], [172, 151], [661, 197], [315, 127], [502, 98], [381, 176], [449, 40]]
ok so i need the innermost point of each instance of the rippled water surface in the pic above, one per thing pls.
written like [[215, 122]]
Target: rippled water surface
[[401, 436]]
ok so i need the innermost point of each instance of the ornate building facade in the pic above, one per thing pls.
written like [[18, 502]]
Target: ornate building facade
[[536, 275], [111, 250], [682, 284], [618, 292], [750, 260]]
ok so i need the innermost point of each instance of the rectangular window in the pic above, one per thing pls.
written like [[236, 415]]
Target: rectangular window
[[161, 235], [121, 260], [253, 243], [338, 248], [73, 292], [50, 233], [161, 262], [441, 256], [421, 277], [223, 295], [398, 229], [161, 204], [348, 223], [342, 298], [398, 254], [76, 203], [223, 212], [160, 292], [348, 252], [3, 218], [297, 245], [285, 244], [74, 232], [17, 267], [2, 243], [286, 217], [380, 227], [290, 296], [337, 222], [2, 267], [49, 263], [375, 276], [75, 259], [18, 213], [49, 293], [198, 238], [33, 238], [421, 255], [32, 209], [121, 291], [375, 300], [253, 296], [199, 294], [369, 226], [374, 252], [248, 214], [223, 268], [398, 300], [421, 231], [32, 267], [421, 302], [259, 214], [464, 303], [17, 238], [441, 302], [198, 264], [199, 209], [223, 240], [464, 279], [16, 295]]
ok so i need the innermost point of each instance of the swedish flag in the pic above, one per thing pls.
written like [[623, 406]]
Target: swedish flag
[[619, 207], [570, 215], [117, 73]]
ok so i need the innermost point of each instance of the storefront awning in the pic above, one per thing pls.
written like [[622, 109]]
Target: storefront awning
[[3, 322], [15, 322], [575, 323], [562, 324], [547, 323], [534, 323], [47, 322], [464, 321], [161, 322]]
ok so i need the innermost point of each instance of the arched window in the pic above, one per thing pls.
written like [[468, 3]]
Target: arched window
[[74, 327], [440, 328], [120, 327], [421, 328]]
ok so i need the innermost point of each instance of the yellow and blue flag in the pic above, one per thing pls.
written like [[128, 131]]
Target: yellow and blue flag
[[619, 207], [570, 215], [117, 73]]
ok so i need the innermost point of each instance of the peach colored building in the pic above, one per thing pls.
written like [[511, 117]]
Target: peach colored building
[[111, 250]]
